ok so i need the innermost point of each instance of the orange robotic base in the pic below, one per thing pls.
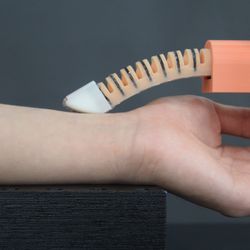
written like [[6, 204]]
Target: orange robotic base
[[230, 66]]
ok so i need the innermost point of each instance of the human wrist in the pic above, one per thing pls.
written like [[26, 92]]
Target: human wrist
[[133, 161], [125, 157]]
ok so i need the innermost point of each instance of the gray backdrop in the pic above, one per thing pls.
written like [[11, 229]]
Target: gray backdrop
[[49, 48]]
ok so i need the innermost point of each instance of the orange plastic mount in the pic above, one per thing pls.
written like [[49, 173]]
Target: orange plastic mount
[[230, 67]]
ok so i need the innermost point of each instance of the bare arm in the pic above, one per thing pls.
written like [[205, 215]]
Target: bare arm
[[48, 146], [173, 142]]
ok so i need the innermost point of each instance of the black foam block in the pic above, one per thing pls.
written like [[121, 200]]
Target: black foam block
[[82, 217]]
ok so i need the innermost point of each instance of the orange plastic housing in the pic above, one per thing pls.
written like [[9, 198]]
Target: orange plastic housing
[[230, 67]]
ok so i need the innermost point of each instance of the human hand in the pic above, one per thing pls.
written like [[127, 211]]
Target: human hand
[[177, 144]]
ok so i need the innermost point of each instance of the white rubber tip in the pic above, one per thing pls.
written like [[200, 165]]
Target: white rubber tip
[[87, 99]]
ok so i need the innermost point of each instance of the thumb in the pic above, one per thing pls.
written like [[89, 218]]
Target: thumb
[[234, 120]]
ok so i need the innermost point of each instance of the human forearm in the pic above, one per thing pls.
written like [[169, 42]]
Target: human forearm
[[47, 146]]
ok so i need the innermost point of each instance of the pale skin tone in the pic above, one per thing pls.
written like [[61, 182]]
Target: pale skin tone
[[173, 142]]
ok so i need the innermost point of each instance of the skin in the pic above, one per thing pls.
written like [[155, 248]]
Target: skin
[[173, 142]]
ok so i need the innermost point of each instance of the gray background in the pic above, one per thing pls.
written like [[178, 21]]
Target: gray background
[[50, 48]]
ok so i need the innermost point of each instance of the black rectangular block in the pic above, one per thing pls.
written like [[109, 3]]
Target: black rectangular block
[[82, 217]]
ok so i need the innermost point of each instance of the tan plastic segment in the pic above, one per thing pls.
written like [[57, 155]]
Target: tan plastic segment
[[230, 66], [162, 68]]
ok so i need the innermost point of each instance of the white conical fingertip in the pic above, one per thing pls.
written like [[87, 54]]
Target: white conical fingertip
[[87, 99]]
